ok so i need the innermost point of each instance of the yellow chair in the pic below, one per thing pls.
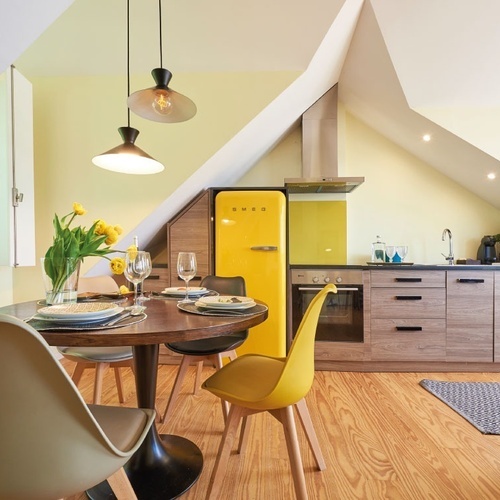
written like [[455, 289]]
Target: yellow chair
[[52, 444], [100, 358], [254, 383]]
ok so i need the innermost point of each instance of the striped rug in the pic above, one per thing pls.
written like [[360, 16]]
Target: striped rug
[[477, 402]]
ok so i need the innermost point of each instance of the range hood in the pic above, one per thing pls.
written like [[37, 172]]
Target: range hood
[[319, 151]]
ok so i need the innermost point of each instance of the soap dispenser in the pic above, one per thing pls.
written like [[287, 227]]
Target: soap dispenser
[[378, 251]]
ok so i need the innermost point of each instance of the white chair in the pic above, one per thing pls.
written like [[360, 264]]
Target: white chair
[[99, 358], [52, 444]]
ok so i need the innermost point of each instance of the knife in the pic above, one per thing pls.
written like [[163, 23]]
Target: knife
[[117, 320]]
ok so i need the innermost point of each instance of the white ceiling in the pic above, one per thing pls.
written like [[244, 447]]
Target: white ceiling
[[414, 66]]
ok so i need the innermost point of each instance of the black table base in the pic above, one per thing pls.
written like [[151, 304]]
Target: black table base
[[176, 467], [166, 466]]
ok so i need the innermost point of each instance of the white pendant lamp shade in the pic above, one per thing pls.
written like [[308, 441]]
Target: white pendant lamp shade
[[161, 103], [128, 158]]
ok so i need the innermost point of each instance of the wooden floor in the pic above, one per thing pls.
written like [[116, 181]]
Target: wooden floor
[[383, 437]]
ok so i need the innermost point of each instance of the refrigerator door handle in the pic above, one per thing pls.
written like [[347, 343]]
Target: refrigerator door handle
[[265, 248]]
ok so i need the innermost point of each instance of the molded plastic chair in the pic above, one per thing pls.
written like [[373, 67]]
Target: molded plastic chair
[[255, 383], [212, 349], [52, 444], [100, 358]]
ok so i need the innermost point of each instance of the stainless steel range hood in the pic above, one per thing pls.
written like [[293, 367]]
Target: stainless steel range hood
[[319, 151]]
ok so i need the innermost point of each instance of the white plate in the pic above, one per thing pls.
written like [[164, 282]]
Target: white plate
[[75, 320], [225, 302], [80, 311], [181, 291]]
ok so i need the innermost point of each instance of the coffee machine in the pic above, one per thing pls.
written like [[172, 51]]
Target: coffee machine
[[486, 252]]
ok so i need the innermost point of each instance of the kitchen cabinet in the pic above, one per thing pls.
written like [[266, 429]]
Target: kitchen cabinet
[[408, 315], [191, 230], [469, 316]]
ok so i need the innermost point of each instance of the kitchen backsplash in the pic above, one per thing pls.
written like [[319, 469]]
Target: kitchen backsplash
[[318, 232]]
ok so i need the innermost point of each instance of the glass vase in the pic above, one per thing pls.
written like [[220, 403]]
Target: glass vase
[[60, 279]]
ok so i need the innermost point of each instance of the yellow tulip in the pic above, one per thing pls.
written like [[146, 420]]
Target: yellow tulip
[[78, 209], [132, 251], [100, 228], [117, 265]]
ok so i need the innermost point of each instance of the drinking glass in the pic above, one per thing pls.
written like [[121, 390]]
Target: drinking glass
[[390, 251], [149, 267], [137, 268], [186, 269], [402, 251]]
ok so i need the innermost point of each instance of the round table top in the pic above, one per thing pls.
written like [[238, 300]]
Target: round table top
[[165, 322]]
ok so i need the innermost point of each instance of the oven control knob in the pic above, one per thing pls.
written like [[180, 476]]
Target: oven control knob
[[315, 279], [326, 279], [338, 279]]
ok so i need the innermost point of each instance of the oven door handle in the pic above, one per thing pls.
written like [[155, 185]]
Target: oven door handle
[[317, 289]]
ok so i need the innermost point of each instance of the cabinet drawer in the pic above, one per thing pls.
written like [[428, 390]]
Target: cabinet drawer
[[413, 279], [408, 302], [407, 340]]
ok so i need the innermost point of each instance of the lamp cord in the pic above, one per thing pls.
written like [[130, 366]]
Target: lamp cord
[[128, 60], [161, 37]]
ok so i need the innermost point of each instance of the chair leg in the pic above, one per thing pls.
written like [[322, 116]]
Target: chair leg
[[119, 384], [197, 380], [242, 445], [217, 477], [78, 372], [217, 359], [121, 486], [100, 368], [312, 438], [292, 444], [181, 373]]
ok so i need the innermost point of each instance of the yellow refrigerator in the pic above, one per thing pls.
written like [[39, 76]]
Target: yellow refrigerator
[[250, 241]]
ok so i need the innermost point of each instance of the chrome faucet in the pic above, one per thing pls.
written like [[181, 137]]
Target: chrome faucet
[[450, 257]]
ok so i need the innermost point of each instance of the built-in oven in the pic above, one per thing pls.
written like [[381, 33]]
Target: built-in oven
[[341, 317]]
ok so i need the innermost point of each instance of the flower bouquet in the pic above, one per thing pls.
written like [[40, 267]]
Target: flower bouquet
[[61, 264]]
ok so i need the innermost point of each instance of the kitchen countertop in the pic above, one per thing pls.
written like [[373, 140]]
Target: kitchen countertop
[[413, 267]]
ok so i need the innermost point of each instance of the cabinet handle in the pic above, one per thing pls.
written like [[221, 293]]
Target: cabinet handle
[[470, 280], [408, 297], [408, 280], [409, 328], [265, 248]]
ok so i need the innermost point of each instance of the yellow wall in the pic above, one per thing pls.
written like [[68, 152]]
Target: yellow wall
[[77, 118], [403, 199]]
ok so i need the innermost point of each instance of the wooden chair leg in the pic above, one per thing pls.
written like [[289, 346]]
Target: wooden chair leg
[[197, 379], [181, 373], [100, 368], [121, 486], [214, 486], [119, 384], [242, 445], [217, 360], [312, 438], [78, 372], [292, 444]]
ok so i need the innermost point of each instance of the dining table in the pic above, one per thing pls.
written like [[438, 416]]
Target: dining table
[[165, 466]]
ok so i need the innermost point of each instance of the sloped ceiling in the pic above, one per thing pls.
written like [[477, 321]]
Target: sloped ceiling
[[413, 67]]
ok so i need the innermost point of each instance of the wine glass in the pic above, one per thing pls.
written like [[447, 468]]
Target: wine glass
[[402, 251], [390, 251], [149, 267], [186, 269], [137, 268]]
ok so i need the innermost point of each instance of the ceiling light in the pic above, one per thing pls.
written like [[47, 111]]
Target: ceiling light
[[491, 176], [161, 103], [426, 137], [127, 158]]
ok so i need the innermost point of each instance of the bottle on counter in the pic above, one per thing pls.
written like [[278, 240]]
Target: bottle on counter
[[378, 250]]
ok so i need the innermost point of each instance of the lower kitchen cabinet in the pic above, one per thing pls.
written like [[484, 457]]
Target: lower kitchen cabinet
[[408, 339], [408, 316], [469, 316]]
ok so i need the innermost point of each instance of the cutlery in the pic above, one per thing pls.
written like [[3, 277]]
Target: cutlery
[[120, 318]]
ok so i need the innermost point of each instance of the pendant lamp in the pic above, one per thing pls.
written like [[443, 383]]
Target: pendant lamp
[[127, 158], [161, 103]]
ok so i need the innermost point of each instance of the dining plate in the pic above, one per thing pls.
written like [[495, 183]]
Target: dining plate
[[80, 311], [225, 302], [180, 291]]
